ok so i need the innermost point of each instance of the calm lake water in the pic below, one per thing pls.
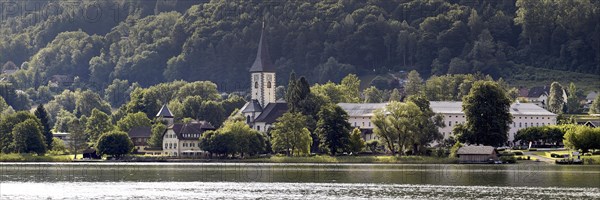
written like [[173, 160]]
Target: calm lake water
[[295, 181]]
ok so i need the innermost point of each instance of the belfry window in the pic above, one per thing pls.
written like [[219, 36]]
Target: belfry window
[[268, 84], [256, 84]]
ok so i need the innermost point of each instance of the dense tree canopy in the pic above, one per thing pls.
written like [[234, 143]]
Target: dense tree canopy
[[114, 143], [149, 42], [235, 137], [487, 110], [290, 135], [333, 129]]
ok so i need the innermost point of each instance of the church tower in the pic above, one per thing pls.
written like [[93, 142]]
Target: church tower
[[263, 74]]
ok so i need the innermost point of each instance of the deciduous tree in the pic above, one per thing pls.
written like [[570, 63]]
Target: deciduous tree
[[488, 117], [290, 135], [114, 143]]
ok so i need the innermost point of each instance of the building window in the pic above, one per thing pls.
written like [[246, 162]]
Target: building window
[[268, 84], [248, 119], [354, 123], [363, 123], [537, 124], [256, 84], [369, 124], [520, 125], [532, 124], [258, 128], [450, 116], [449, 123]]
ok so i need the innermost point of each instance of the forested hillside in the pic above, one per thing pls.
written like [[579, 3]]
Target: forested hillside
[[150, 42]]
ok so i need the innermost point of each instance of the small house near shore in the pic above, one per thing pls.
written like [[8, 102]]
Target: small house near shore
[[476, 154]]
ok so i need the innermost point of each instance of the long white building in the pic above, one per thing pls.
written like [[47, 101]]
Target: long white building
[[524, 115]]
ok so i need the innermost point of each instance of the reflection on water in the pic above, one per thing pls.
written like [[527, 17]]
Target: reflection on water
[[213, 190], [293, 181]]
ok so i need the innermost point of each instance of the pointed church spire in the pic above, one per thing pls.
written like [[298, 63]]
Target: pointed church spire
[[262, 63]]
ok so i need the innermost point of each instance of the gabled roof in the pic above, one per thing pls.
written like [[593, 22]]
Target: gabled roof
[[262, 63], [164, 112], [593, 124], [140, 132], [252, 106], [536, 92], [271, 112], [190, 130], [476, 150]]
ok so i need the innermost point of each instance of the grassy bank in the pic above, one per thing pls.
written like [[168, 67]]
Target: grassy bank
[[589, 159], [357, 159], [13, 157]]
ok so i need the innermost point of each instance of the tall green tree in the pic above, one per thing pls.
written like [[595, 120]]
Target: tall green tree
[[97, 124], [413, 83], [384, 130], [333, 129], [42, 115], [28, 138], [213, 112], [290, 135], [114, 143], [351, 88], [373, 95], [357, 144], [555, 98], [403, 119], [573, 105], [7, 125], [595, 107], [133, 120], [77, 138], [156, 139], [488, 116], [395, 95], [428, 125]]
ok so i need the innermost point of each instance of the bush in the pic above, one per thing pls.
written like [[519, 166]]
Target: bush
[[508, 159], [507, 154], [587, 154]]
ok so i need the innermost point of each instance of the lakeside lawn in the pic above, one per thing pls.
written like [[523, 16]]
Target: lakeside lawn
[[589, 159], [14, 157]]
